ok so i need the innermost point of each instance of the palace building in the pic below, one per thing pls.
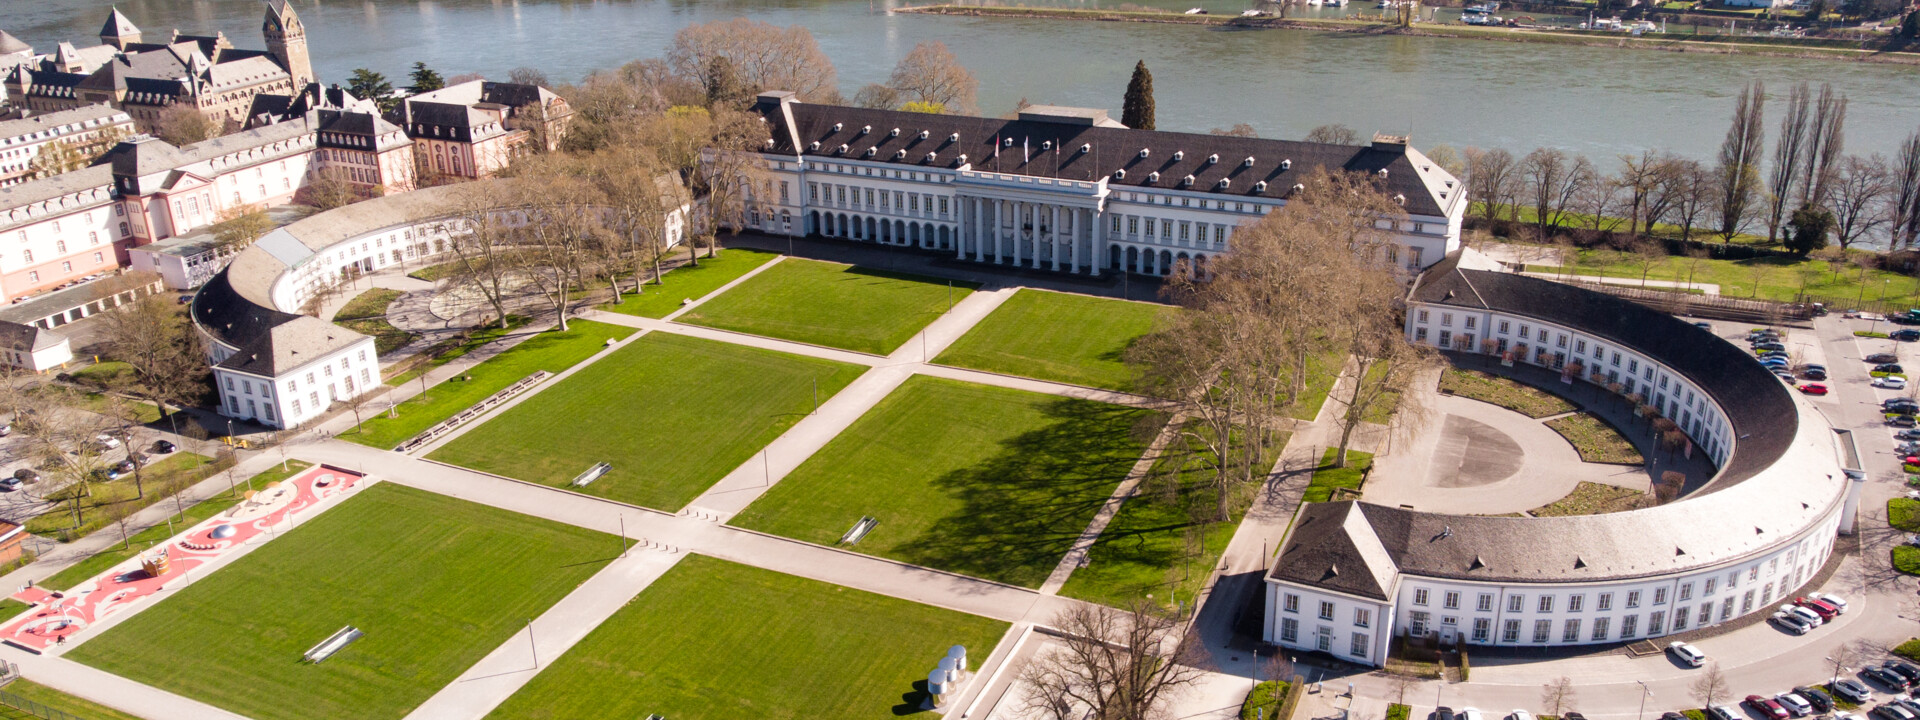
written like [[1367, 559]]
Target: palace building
[[1063, 189], [143, 78], [1351, 575]]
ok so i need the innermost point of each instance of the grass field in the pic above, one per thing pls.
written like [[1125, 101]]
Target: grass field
[[1056, 336], [1327, 478], [1321, 372], [1154, 545], [1771, 278], [452, 349], [1488, 388], [673, 414], [435, 583], [689, 282], [1592, 499], [712, 640], [140, 542], [367, 315], [110, 501], [979, 480], [1597, 441], [433, 273], [830, 304], [50, 699], [550, 351], [108, 374]]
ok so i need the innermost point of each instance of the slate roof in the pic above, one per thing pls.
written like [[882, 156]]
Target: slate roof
[[10, 44], [1781, 477], [1071, 148], [28, 338], [44, 121], [1334, 548], [118, 25], [289, 345]]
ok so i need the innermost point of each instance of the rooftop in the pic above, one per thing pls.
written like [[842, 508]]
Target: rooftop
[[48, 121]]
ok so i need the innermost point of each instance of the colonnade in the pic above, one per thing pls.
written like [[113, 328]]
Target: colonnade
[[1042, 236]]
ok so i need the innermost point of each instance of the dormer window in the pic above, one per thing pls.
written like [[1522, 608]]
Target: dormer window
[[1179, 155], [1401, 199], [1383, 172], [1297, 187], [843, 148], [1153, 177], [1120, 174], [1186, 181], [899, 154], [1225, 183], [869, 152], [925, 134], [838, 126], [1086, 148], [864, 129], [814, 146], [1214, 158], [1046, 144], [1145, 152], [954, 137], [895, 133]]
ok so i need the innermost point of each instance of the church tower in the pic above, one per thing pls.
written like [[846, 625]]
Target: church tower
[[119, 31], [287, 39]]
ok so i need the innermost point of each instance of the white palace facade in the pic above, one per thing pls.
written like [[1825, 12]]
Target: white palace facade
[[1063, 189], [1351, 575]]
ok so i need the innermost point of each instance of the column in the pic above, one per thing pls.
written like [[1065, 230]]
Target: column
[[1055, 211], [999, 216], [1096, 245]]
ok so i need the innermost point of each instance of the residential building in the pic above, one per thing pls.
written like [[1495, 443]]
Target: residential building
[[87, 131]]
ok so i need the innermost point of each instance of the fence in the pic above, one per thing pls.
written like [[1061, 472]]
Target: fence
[[10, 672], [1707, 306]]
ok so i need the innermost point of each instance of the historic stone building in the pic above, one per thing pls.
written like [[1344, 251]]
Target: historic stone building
[[143, 78], [474, 129]]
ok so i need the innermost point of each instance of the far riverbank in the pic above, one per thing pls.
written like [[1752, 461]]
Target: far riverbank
[[1713, 44]]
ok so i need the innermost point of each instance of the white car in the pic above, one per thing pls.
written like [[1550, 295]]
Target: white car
[[1791, 623], [1469, 713], [1812, 618], [1687, 653], [1890, 382], [1519, 715], [1795, 704], [107, 440], [1835, 600]]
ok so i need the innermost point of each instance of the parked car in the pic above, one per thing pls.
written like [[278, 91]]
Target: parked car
[[1905, 335], [107, 440], [1836, 601], [1795, 705], [1468, 713], [1443, 713], [1825, 611], [1852, 690], [1812, 618], [1889, 368], [1767, 707], [1725, 712], [1769, 345], [1901, 421], [162, 447], [1906, 435], [1906, 703], [1878, 358], [1891, 712], [1822, 702], [1671, 715], [1885, 678], [1791, 623], [1813, 388], [1687, 654], [1813, 374], [1520, 715], [1903, 406], [9, 483], [1890, 382], [1903, 669]]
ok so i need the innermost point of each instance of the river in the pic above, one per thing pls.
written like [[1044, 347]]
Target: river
[[1598, 101]]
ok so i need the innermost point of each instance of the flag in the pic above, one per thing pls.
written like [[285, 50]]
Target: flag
[[1026, 156]]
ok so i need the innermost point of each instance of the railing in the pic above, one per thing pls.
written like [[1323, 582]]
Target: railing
[[10, 672], [1714, 306], [478, 409]]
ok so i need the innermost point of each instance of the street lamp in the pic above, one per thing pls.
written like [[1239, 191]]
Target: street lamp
[[1645, 692]]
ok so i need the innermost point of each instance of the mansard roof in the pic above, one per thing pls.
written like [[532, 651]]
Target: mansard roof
[[1068, 146], [118, 26]]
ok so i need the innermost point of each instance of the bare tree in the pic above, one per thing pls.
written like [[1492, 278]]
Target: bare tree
[[1335, 134], [327, 191], [1238, 130], [1112, 663], [1711, 686], [1826, 139], [1492, 176], [479, 233], [1557, 695], [527, 76], [764, 56], [1789, 150], [1553, 181], [240, 225], [877, 96], [1646, 253], [1694, 189], [1401, 685], [182, 124], [1695, 257], [1643, 177], [1448, 159], [1739, 167], [1598, 200], [1858, 190], [732, 175], [562, 230], [1903, 202], [931, 74], [158, 343]]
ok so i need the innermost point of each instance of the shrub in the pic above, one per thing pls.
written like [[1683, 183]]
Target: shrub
[[1906, 559], [1909, 650], [1396, 711], [1266, 696]]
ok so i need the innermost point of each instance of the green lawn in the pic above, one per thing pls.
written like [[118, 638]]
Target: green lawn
[[109, 374], [140, 542], [367, 315], [101, 503], [550, 351], [50, 699], [457, 347], [712, 640], [1590, 498], [435, 583], [433, 273], [823, 303], [1771, 278], [1074, 339], [1321, 372], [1327, 478], [1904, 513], [1489, 388], [673, 414], [1155, 545], [979, 480], [1597, 440], [1906, 559], [689, 282]]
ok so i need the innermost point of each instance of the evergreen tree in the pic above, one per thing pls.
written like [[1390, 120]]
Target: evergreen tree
[[1910, 27], [369, 85], [1136, 111], [1808, 228], [425, 80]]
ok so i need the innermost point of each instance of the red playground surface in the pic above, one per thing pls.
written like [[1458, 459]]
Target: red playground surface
[[55, 616]]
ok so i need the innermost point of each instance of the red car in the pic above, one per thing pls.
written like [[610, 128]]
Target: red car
[[1813, 389], [1767, 707], [1825, 611]]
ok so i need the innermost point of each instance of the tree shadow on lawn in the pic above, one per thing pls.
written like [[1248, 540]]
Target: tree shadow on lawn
[[875, 273], [1024, 507]]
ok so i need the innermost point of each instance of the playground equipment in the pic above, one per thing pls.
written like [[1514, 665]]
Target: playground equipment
[[154, 565]]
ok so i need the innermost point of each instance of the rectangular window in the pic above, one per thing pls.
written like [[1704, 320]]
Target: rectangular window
[[1579, 347], [1605, 602], [1686, 591], [1766, 594], [1659, 596], [1359, 648], [1571, 632], [1470, 319], [1546, 603], [1289, 630], [1706, 613], [1326, 610], [1510, 631], [1423, 316], [1446, 319], [1482, 629], [1726, 608], [1656, 621], [1420, 596], [1599, 629], [1516, 602], [1542, 630], [296, 407], [1485, 603], [1712, 582], [1633, 599], [1451, 600], [1446, 338], [1291, 603], [1679, 619], [1576, 602], [1746, 602], [1362, 617], [1419, 335]]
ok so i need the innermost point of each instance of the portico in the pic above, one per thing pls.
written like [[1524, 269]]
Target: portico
[[1029, 222]]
